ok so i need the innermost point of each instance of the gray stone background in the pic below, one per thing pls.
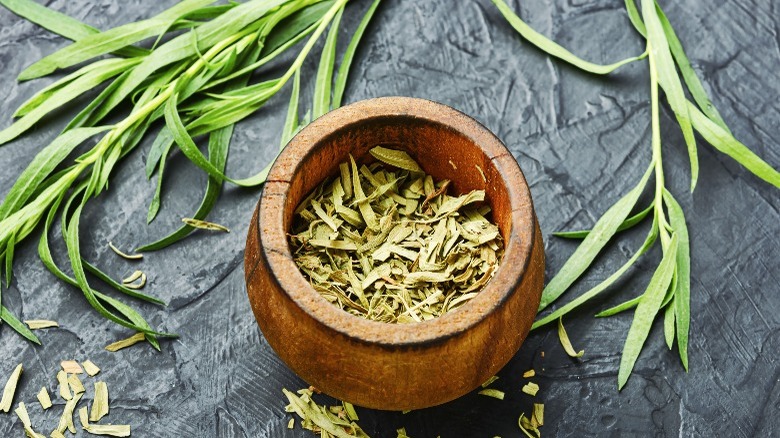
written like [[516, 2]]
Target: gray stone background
[[582, 142]]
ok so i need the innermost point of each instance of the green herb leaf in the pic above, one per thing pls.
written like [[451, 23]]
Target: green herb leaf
[[324, 79], [17, 325], [669, 81], [646, 311], [727, 144], [583, 256], [627, 224], [630, 304], [291, 121], [349, 55], [682, 293], [553, 49]]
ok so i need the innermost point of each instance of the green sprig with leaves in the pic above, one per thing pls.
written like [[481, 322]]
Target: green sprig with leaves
[[668, 292], [195, 78]]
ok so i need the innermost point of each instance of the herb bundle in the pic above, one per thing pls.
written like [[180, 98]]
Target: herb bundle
[[195, 78], [392, 245], [668, 292]]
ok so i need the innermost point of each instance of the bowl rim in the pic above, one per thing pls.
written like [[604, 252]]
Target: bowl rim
[[278, 257]]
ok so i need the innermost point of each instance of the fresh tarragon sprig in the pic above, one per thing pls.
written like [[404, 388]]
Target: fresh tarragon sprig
[[197, 83], [668, 291]]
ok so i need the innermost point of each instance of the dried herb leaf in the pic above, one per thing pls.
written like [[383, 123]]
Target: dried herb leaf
[[118, 430], [100, 402], [529, 373], [350, 410], [136, 280], [21, 412], [71, 367], [319, 418], [395, 158], [530, 388], [203, 225], [537, 417], [37, 324], [489, 381], [124, 255], [492, 393], [124, 343], [84, 418], [525, 426], [75, 384], [565, 342], [10, 389], [66, 419], [44, 399], [90, 368], [62, 379], [401, 433]]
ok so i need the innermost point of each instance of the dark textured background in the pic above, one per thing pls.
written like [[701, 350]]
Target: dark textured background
[[582, 141]]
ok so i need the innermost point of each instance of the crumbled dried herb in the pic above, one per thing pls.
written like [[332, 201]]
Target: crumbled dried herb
[[66, 420], [10, 389], [62, 379], [489, 381], [492, 393], [90, 368], [564, 337], [71, 367], [203, 225], [37, 324], [124, 343], [75, 384], [401, 433], [120, 430], [390, 245], [44, 399], [320, 419], [529, 373], [123, 254], [100, 402], [531, 388]]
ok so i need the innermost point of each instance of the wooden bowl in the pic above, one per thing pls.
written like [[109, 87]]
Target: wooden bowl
[[381, 365]]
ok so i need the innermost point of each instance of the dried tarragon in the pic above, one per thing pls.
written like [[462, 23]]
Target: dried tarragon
[[10, 389], [389, 244], [335, 421], [21, 412], [124, 343]]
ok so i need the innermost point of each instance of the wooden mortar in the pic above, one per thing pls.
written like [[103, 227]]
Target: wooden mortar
[[395, 366]]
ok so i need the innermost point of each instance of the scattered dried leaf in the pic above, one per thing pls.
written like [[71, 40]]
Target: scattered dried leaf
[[531, 388], [62, 379], [529, 373], [37, 324], [564, 337], [100, 402], [203, 225], [71, 367], [120, 430], [124, 343], [44, 399], [90, 368], [123, 254], [492, 393], [489, 381], [75, 384], [10, 389]]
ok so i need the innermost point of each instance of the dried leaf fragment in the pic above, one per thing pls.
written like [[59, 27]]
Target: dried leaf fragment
[[62, 379], [37, 324], [132, 277], [84, 418], [71, 367], [203, 225], [66, 420], [319, 418], [57, 434], [75, 384], [90, 368], [531, 388], [395, 158], [527, 428], [537, 417], [10, 389], [124, 343], [291, 423], [136, 280], [124, 255], [402, 433], [21, 412], [349, 408], [120, 430], [490, 392], [100, 403], [44, 399], [529, 373], [489, 381], [565, 342]]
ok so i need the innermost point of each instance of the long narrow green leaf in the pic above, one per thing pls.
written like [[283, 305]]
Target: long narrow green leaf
[[61, 24], [294, 25], [727, 144], [349, 55], [630, 304], [17, 325], [98, 44], [42, 165], [65, 94], [553, 49], [324, 78], [291, 121], [154, 206], [688, 73], [590, 294], [627, 224], [670, 82], [586, 252], [682, 300], [646, 311], [636, 18], [9, 261]]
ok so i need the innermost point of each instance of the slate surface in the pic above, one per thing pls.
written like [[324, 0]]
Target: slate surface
[[582, 141]]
